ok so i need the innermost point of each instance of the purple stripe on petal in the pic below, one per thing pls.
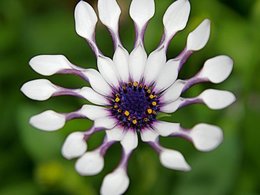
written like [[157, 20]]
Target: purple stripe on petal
[[193, 81], [187, 102], [74, 72], [105, 146], [156, 146]]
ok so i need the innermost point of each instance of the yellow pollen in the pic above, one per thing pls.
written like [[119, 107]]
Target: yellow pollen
[[146, 119], [115, 106], [149, 91], [117, 99], [151, 96], [134, 121], [119, 110], [135, 84], [154, 103], [149, 111], [127, 113]]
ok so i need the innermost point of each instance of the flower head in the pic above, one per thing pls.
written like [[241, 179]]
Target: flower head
[[130, 90]]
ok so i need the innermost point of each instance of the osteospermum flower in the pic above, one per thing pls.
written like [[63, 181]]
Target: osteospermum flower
[[130, 90]]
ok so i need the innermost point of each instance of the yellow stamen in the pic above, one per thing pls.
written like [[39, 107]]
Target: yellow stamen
[[116, 106], [135, 84], [134, 121], [154, 112], [149, 91], [146, 119], [119, 110], [149, 111], [151, 96], [117, 99], [126, 113], [154, 103]]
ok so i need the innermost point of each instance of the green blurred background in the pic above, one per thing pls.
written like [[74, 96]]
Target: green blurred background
[[30, 160]]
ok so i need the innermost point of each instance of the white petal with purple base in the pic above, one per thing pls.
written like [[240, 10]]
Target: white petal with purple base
[[173, 160], [137, 61], [198, 38], [109, 13], [217, 69], [141, 11], [115, 183], [85, 20], [176, 17], [115, 134], [130, 141], [167, 75], [217, 99], [40, 89], [154, 64], [173, 92], [107, 69], [97, 82], [149, 135], [166, 128], [74, 145], [48, 121], [91, 163], [121, 60], [206, 137], [48, 65]]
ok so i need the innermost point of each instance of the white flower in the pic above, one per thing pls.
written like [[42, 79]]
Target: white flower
[[130, 89]]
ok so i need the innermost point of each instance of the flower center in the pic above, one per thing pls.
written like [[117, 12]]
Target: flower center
[[135, 105]]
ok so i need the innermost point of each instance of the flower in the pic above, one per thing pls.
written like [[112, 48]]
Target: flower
[[130, 90]]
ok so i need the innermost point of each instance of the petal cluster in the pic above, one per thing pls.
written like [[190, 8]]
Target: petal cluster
[[155, 76]]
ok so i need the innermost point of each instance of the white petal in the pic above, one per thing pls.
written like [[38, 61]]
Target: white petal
[[85, 20], [48, 121], [137, 61], [173, 106], [94, 112], [174, 92], [109, 13], [217, 99], [174, 160], [206, 137], [108, 70], [121, 60], [74, 145], [217, 69], [115, 183], [166, 128], [90, 163], [97, 82], [199, 37], [115, 134], [176, 17], [49, 64], [93, 96], [40, 89], [155, 63], [106, 123], [141, 11], [149, 135], [130, 141], [167, 75]]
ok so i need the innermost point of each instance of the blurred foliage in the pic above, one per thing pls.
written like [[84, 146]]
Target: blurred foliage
[[30, 160]]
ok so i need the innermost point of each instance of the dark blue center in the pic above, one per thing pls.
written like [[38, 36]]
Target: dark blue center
[[135, 105]]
